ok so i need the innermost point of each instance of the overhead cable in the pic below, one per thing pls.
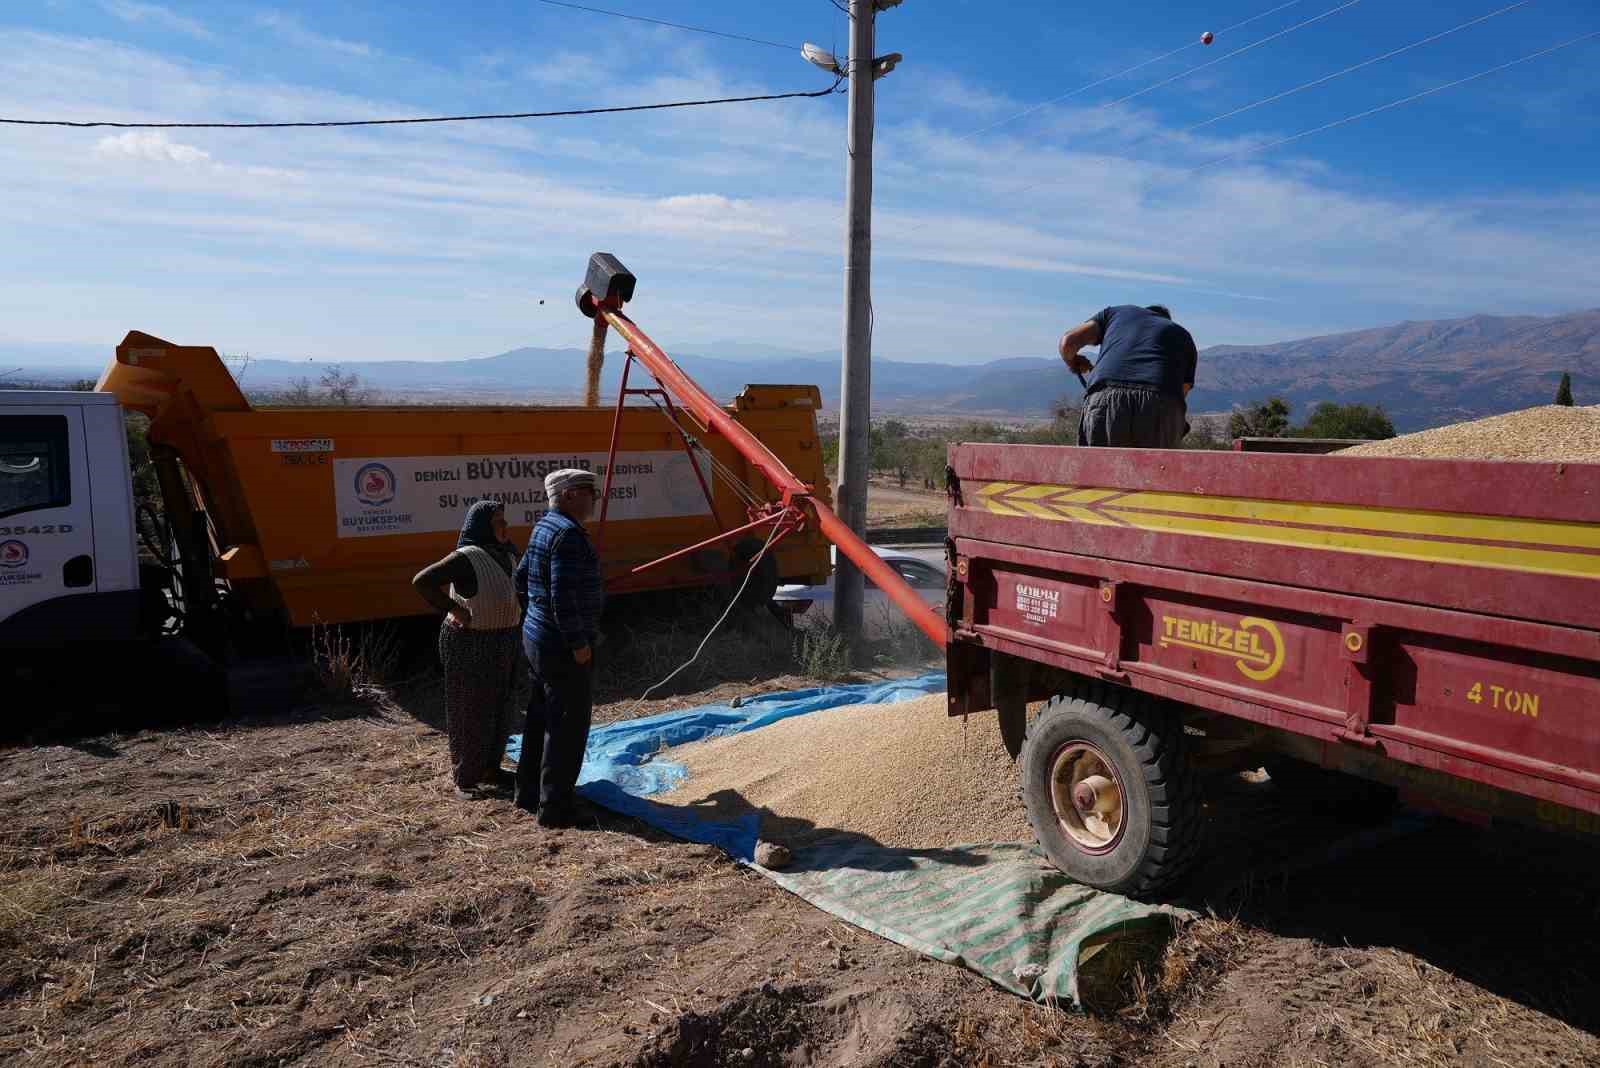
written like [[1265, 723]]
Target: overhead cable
[[1358, 66], [1236, 52], [1391, 105], [1121, 73], [672, 25], [1192, 127], [414, 121]]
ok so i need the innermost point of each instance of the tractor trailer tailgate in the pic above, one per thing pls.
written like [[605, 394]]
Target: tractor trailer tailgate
[[1431, 622]]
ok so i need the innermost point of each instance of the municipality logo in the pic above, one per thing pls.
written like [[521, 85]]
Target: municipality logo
[[375, 485], [13, 554]]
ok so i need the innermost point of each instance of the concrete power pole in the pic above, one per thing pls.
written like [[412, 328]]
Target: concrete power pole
[[855, 378]]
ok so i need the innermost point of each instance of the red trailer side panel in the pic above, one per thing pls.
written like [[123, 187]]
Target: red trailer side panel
[[1441, 616]]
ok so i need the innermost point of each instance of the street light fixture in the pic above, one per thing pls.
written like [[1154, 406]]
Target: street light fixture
[[821, 57]]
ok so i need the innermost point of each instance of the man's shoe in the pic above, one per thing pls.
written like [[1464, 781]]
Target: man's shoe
[[552, 817]]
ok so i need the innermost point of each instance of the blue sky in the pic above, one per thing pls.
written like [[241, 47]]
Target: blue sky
[[990, 236]]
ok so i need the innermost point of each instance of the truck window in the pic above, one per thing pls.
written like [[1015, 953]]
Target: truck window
[[34, 472]]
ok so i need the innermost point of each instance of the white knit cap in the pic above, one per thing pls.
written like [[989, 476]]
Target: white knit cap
[[558, 482]]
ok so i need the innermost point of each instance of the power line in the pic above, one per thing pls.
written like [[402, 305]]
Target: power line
[[1358, 66], [413, 121], [1313, 83], [1236, 52], [673, 25], [1391, 105], [1122, 73]]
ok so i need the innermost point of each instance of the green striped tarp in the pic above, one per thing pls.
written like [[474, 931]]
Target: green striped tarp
[[1001, 910]]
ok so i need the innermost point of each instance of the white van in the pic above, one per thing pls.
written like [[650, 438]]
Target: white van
[[69, 568]]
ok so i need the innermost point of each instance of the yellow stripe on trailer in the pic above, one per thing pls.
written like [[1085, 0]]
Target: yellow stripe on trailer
[[1531, 545]]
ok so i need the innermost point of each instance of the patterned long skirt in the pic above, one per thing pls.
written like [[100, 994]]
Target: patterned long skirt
[[481, 668]]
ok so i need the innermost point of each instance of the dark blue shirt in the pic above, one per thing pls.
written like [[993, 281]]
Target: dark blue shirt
[[560, 577], [1141, 348]]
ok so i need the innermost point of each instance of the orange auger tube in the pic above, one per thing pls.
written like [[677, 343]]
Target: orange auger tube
[[607, 287]]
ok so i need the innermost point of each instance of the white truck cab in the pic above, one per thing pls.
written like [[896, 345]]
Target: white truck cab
[[69, 567]]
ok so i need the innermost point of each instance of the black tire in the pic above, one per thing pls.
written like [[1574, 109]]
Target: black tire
[[1141, 743], [1345, 797]]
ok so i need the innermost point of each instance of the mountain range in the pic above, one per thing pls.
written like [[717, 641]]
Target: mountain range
[[1423, 373]]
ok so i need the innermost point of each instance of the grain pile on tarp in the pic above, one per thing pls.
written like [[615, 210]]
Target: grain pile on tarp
[[1551, 433], [998, 908], [903, 774]]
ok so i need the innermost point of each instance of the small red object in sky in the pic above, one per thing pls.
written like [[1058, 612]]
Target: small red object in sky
[[1207, 37]]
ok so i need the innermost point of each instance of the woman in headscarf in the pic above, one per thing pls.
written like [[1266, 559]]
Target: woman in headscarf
[[479, 643]]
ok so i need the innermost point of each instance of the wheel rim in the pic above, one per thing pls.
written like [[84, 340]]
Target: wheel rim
[[1087, 797]]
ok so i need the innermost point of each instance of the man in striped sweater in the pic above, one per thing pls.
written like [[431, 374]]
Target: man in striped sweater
[[559, 578]]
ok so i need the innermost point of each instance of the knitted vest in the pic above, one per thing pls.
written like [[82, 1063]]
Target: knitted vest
[[495, 606]]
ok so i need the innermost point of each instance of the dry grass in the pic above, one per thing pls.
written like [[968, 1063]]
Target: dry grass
[[28, 899], [307, 826], [1167, 973], [310, 892], [356, 663], [1549, 433], [749, 647], [821, 651]]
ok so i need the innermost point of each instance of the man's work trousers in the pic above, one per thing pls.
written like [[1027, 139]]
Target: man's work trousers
[[1128, 417], [559, 710]]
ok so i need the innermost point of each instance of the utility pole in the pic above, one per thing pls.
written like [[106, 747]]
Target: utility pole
[[855, 376]]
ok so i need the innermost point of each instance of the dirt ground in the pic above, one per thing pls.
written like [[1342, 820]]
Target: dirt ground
[[297, 886], [890, 506]]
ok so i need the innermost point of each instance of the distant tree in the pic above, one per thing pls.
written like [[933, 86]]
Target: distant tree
[[1203, 435], [1329, 420], [1564, 390], [299, 393], [83, 385], [1264, 419], [894, 429], [344, 388]]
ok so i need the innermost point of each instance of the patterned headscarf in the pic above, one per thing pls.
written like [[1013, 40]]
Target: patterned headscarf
[[478, 530]]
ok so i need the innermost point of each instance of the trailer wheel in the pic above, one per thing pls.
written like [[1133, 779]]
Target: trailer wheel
[[1108, 791]]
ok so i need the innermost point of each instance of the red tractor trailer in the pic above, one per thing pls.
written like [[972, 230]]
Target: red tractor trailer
[[1426, 625]]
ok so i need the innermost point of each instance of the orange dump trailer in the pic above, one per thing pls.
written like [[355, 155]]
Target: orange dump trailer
[[323, 514]]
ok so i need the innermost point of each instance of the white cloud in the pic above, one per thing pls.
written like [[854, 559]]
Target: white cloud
[[156, 15], [377, 234], [292, 30], [149, 145]]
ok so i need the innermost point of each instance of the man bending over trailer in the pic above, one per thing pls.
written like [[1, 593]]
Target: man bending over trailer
[[559, 577], [1135, 397]]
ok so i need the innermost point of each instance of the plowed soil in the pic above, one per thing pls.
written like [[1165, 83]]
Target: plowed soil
[[298, 886]]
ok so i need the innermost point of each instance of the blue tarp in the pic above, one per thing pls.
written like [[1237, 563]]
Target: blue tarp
[[999, 909], [621, 769]]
